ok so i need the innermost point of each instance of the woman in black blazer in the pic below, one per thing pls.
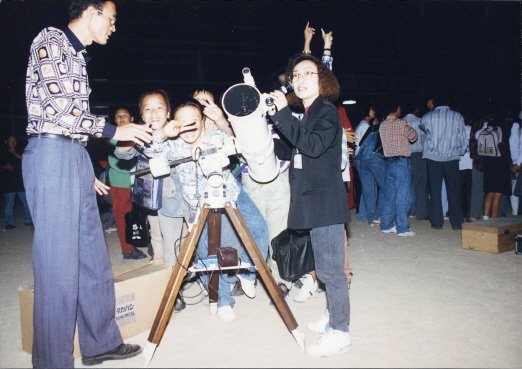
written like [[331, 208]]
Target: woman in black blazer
[[318, 197]]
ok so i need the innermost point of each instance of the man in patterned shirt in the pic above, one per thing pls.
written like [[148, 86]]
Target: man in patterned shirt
[[72, 273], [396, 136]]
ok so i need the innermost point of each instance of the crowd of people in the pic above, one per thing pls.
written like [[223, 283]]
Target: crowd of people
[[448, 173], [401, 164]]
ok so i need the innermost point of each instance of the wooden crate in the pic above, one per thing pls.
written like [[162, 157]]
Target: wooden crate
[[494, 235]]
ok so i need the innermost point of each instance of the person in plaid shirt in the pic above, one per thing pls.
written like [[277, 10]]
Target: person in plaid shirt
[[396, 136]]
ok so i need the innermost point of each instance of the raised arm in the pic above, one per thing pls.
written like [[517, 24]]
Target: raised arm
[[308, 34]]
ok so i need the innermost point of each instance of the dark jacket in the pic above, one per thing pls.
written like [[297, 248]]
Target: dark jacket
[[318, 195], [11, 181]]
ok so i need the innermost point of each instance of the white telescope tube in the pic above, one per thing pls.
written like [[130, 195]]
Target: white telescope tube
[[246, 110]]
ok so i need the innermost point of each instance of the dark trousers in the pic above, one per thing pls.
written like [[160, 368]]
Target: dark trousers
[[465, 190], [449, 171], [73, 281], [419, 179], [121, 201]]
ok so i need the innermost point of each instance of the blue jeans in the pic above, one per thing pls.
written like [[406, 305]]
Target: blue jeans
[[397, 195], [371, 172], [10, 198], [256, 225], [328, 246]]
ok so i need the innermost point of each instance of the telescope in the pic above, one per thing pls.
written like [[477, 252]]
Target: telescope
[[246, 109]]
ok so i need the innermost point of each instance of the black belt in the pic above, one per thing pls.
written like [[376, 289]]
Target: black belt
[[59, 137], [396, 157]]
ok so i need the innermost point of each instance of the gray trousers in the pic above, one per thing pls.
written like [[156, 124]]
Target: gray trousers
[[328, 246], [73, 281]]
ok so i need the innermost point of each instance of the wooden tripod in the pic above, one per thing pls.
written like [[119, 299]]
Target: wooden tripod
[[180, 268]]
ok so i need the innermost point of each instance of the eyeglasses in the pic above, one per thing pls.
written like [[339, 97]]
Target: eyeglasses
[[113, 19], [294, 77]]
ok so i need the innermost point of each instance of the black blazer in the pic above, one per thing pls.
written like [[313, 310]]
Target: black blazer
[[318, 195]]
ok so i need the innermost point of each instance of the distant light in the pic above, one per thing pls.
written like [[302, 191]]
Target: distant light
[[349, 102]]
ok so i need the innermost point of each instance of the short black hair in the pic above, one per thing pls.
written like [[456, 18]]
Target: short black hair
[[410, 106], [77, 7], [390, 106]]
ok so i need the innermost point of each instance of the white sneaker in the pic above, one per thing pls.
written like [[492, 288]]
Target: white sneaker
[[226, 313], [409, 233], [310, 288], [319, 325], [391, 230], [248, 286], [332, 342]]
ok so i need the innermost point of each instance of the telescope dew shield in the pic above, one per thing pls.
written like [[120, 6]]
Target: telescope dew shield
[[246, 111]]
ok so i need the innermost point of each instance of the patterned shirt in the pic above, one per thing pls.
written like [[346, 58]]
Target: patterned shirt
[[396, 136], [192, 180], [57, 88]]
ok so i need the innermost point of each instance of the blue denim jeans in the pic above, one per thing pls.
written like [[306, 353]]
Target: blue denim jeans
[[397, 195], [10, 198], [371, 172], [256, 225]]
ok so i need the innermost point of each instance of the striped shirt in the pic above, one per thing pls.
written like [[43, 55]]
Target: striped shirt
[[57, 88], [445, 134], [414, 123], [396, 136]]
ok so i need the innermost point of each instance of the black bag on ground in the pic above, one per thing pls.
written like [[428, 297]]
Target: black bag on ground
[[518, 186], [293, 254], [137, 230]]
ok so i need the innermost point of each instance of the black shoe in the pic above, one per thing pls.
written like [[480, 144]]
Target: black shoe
[[180, 304], [436, 227], [9, 226], [456, 228], [284, 290], [237, 290], [28, 224], [135, 254], [123, 351]]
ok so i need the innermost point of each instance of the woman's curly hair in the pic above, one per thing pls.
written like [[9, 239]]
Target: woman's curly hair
[[328, 84]]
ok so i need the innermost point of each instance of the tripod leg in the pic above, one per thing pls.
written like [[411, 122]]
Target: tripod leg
[[178, 272], [214, 241], [262, 267]]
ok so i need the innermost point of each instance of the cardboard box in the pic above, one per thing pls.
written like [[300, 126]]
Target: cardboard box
[[494, 235], [139, 289]]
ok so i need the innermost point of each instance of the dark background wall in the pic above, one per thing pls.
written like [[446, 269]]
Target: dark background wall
[[471, 50]]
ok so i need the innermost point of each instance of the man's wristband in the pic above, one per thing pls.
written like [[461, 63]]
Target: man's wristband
[[307, 52]]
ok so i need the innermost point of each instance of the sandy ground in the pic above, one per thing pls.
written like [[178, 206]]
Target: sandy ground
[[415, 302]]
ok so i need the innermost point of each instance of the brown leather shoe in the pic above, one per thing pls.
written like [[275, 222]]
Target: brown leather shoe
[[123, 351]]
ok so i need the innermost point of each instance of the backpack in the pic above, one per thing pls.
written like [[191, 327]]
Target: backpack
[[489, 142], [367, 147], [137, 228]]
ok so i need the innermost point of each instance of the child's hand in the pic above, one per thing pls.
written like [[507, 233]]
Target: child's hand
[[211, 110]]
